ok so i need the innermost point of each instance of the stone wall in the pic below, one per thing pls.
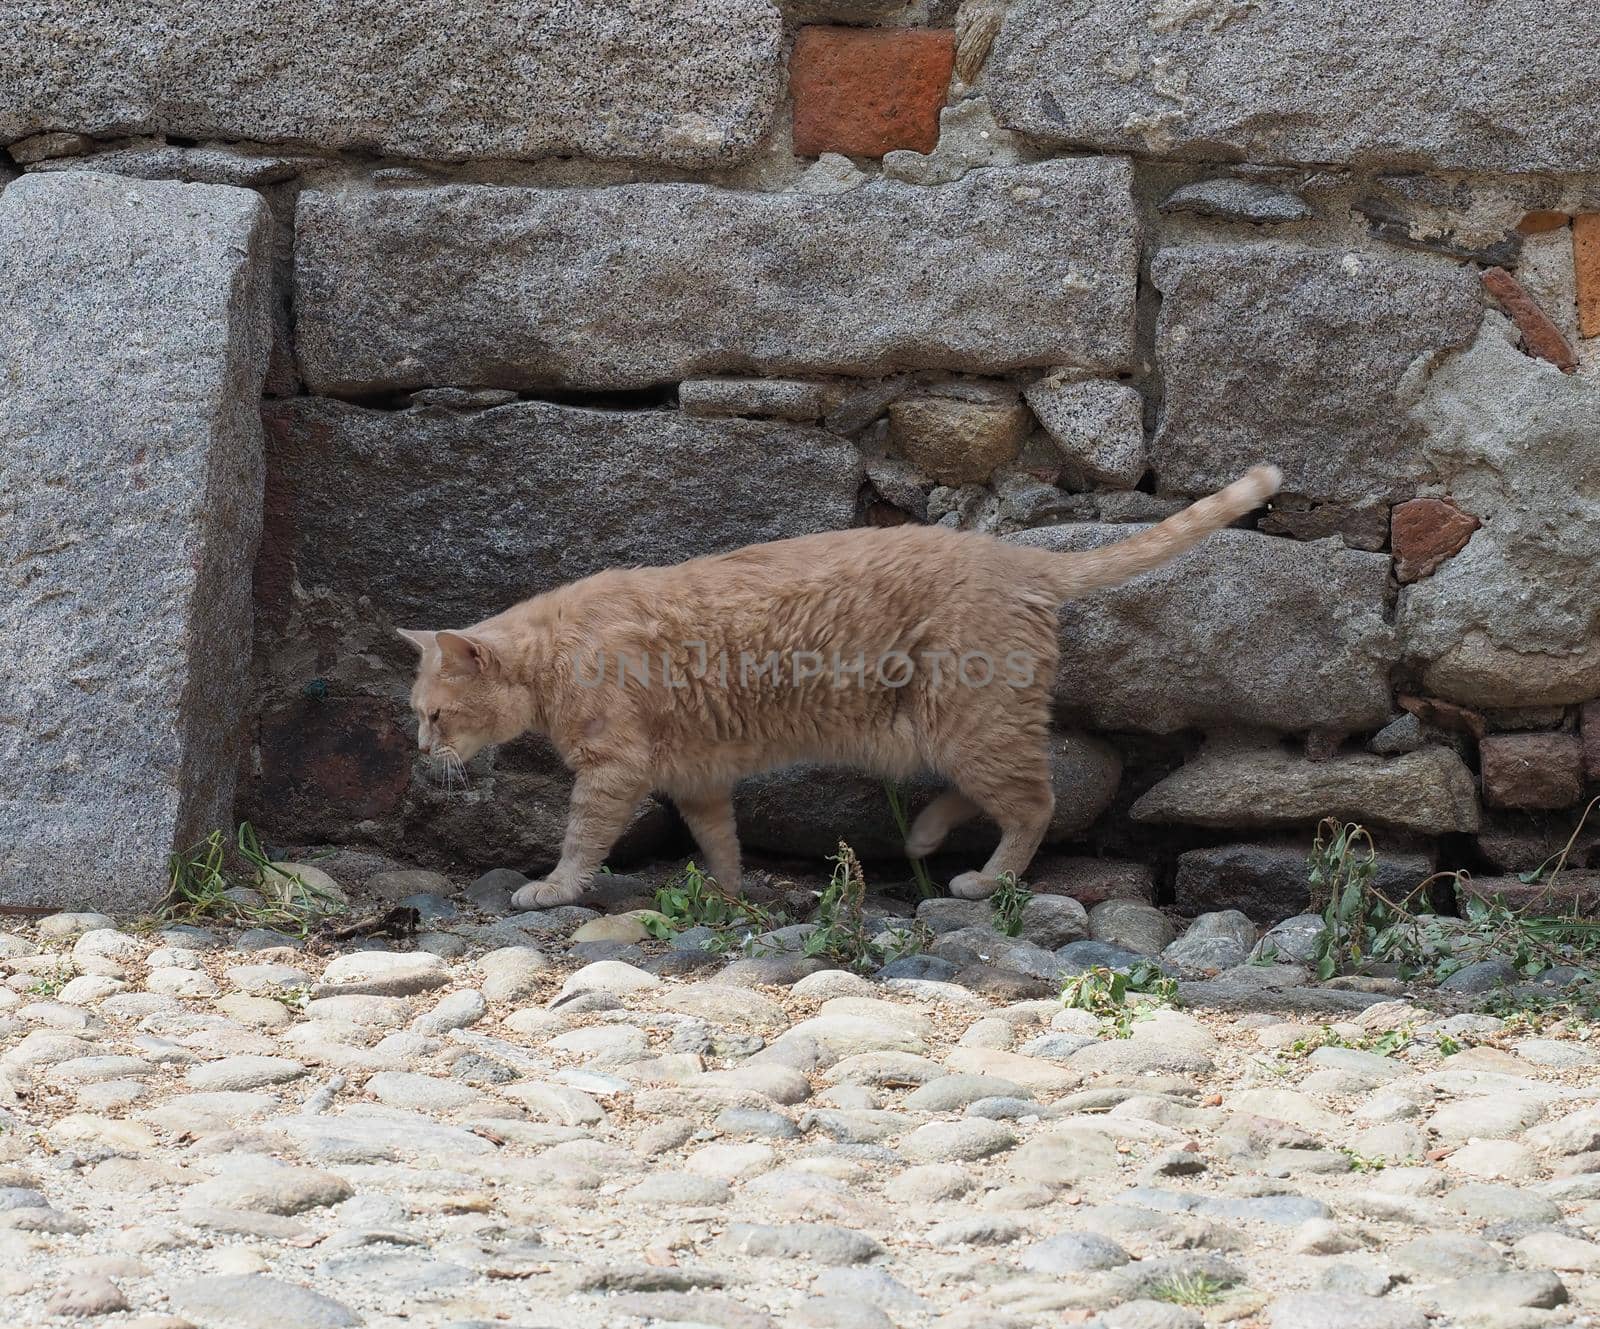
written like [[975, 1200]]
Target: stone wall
[[566, 285]]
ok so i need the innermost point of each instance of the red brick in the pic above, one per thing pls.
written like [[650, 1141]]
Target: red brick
[[326, 764], [1537, 223], [1589, 726], [867, 91], [1444, 715], [1531, 771], [1586, 262], [1540, 336], [1424, 532]]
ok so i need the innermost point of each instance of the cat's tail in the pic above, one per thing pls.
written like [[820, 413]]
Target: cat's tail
[[1071, 574]]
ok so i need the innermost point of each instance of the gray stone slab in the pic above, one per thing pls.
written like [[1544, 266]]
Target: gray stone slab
[[133, 341], [1274, 354], [440, 518], [807, 810], [1430, 791], [1506, 87], [675, 82], [636, 285], [1244, 630]]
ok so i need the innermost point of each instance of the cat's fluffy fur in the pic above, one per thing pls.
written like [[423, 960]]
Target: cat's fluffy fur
[[572, 664]]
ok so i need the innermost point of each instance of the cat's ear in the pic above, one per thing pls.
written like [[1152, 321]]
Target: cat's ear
[[421, 640], [466, 655]]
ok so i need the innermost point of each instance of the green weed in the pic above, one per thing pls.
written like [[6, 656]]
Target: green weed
[[48, 985], [919, 872], [204, 888], [1194, 1289], [841, 935], [1007, 903], [691, 899], [1112, 995], [1362, 925]]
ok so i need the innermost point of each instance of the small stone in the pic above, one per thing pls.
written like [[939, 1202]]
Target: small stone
[[978, 1230], [1224, 199], [803, 400], [45, 147], [84, 1295], [1431, 791], [1493, 1203], [680, 1189], [239, 1073], [1492, 1159], [1481, 1293], [957, 1141], [610, 976], [512, 973], [457, 1011], [755, 1122], [492, 891], [1322, 1310], [1480, 976], [958, 442], [1074, 1253], [273, 1190], [72, 925], [1321, 1236], [1131, 924], [255, 978], [399, 884], [1053, 921], [383, 973], [1541, 337], [1097, 426], [1076, 956], [1556, 1250], [821, 1242], [421, 1093], [624, 928], [252, 1301]]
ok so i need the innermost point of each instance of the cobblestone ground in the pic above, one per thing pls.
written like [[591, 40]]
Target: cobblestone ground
[[219, 1131]]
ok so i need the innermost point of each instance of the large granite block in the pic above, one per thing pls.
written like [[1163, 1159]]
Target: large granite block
[[133, 341], [637, 285], [674, 82]]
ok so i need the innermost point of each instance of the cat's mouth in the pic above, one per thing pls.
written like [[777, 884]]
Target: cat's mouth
[[447, 769]]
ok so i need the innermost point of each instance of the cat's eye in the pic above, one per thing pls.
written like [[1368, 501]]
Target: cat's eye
[[433, 717]]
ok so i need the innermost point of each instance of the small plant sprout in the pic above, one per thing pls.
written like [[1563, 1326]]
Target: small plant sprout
[[691, 899], [202, 888], [1106, 993], [841, 932], [897, 809], [1007, 903], [1190, 1289]]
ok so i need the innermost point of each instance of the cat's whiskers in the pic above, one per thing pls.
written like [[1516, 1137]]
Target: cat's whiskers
[[450, 768]]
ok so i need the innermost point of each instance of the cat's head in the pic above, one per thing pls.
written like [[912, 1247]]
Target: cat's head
[[461, 696]]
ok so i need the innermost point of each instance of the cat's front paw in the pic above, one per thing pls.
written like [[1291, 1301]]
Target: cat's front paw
[[544, 895], [973, 886]]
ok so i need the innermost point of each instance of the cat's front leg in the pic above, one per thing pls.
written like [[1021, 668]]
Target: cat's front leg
[[603, 801]]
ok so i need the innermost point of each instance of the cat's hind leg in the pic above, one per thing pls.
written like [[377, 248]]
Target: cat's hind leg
[[1018, 795], [936, 821]]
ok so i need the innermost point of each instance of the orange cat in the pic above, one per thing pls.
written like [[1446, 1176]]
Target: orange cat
[[897, 650]]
